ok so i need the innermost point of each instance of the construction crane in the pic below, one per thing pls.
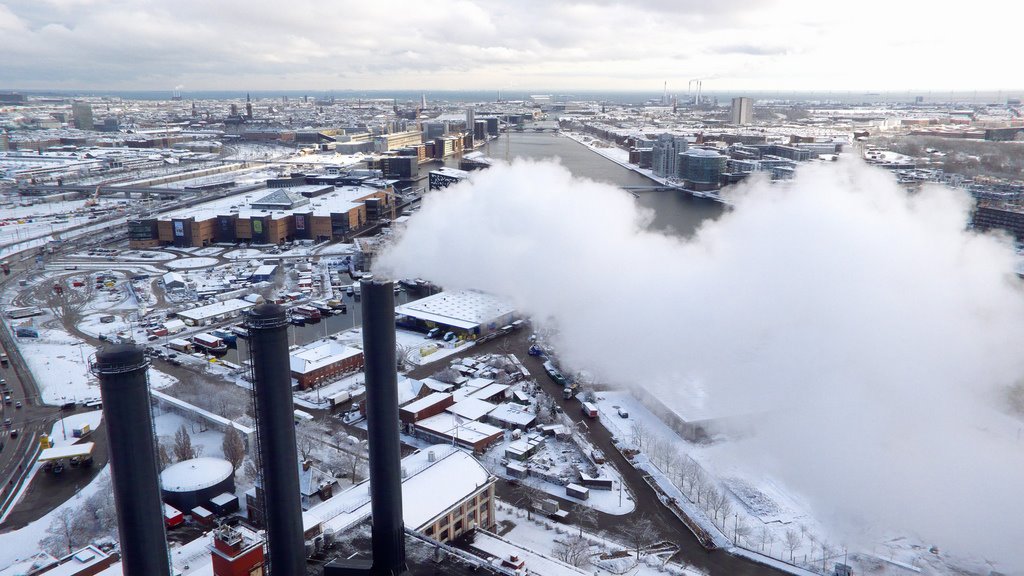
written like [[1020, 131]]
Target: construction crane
[[94, 199]]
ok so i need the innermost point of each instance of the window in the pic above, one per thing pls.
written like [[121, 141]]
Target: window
[[457, 527], [443, 536]]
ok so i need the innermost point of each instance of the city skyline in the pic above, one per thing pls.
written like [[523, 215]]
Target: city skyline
[[452, 45]]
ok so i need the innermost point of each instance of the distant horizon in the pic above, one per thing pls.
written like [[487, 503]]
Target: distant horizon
[[930, 96]]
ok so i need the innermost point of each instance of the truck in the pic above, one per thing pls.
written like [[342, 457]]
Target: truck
[[555, 375], [339, 399], [5, 266], [589, 410]]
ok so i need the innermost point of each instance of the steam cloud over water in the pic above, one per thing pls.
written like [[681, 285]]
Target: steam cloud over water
[[870, 333]]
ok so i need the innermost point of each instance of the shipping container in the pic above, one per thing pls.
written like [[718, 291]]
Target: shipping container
[[590, 410]]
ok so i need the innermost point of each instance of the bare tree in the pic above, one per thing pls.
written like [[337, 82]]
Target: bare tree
[[639, 433], [720, 504], [61, 533], [183, 449], [163, 458], [586, 517], [793, 542], [640, 532], [740, 531], [351, 465], [764, 533], [233, 447], [447, 376], [403, 354], [530, 496], [573, 550]]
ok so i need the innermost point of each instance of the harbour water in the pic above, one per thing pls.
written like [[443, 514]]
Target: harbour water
[[674, 211]]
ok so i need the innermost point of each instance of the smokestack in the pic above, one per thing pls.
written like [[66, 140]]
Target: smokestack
[[135, 475], [388, 532], [275, 434], [382, 427]]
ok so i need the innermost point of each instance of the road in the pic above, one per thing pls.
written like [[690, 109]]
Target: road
[[668, 526]]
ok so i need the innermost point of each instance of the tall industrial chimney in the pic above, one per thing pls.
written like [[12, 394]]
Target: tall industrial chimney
[[135, 475], [388, 532], [275, 436]]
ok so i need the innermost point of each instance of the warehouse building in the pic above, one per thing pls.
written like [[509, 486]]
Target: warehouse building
[[305, 212], [468, 313], [323, 361], [445, 493], [215, 312]]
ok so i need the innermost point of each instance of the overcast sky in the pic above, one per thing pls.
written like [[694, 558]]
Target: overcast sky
[[509, 44]]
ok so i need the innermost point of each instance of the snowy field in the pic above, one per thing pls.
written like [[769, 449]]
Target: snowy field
[[59, 363], [540, 536], [21, 544], [189, 263]]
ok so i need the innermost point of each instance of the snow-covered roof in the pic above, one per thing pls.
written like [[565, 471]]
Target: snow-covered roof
[[471, 408], [195, 474], [223, 499], [61, 452], [319, 354], [216, 309], [173, 278], [454, 427], [429, 489], [426, 402], [513, 414], [465, 309], [489, 391]]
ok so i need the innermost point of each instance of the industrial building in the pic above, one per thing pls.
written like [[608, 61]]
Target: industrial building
[[445, 493], [195, 482], [323, 361], [282, 215], [466, 312], [215, 312]]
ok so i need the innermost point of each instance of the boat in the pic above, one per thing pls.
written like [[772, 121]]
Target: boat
[[239, 332], [307, 312], [229, 338], [209, 343], [321, 306], [297, 321]]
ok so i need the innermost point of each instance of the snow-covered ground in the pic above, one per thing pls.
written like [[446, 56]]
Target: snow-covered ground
[[168, 423], [59, 363], [61, 433], [189, 263], [23, 543], [537, 537]]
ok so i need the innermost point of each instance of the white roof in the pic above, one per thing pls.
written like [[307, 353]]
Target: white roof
[[170, 277], [453, 172], [489, 391], [172, 325], [471, 408], [465, 309], [223, 499], [60, 452], [513, 414], [429, 489], [454, 427], [195, 474], [426, 402], [341, 200], [205, 338], [216, 309], [319, 354], [265, 270]]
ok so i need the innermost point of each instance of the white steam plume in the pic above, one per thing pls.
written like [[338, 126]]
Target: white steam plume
[[871, 333]]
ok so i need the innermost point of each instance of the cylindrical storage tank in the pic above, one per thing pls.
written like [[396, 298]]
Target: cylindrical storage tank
[[121, 370], [194, 482], [275, 433]]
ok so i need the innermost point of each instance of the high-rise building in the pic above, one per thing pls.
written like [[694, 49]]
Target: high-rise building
[[82, 113], [742, 111], [665, 154]]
